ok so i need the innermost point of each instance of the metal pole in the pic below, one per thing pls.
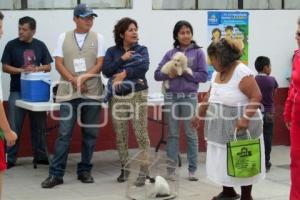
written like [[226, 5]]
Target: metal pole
[[24, 4], [240, 4]]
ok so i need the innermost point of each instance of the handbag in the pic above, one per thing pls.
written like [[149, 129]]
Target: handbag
[[243, 157]]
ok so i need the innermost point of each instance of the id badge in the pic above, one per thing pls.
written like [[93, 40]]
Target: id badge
[[79, 65]]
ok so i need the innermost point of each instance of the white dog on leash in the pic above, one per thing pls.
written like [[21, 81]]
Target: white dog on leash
[[179, 63]]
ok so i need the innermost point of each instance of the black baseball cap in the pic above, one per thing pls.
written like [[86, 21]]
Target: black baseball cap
[[82, 10]]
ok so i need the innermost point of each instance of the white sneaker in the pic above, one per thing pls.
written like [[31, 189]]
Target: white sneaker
[[192, 176]]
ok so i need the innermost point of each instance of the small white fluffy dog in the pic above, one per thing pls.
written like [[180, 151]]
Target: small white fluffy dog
[[179, 63]]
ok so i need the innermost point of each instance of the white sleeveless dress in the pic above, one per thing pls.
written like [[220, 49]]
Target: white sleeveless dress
[[229, 94]]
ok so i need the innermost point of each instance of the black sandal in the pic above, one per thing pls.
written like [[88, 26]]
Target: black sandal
[[221, 196]]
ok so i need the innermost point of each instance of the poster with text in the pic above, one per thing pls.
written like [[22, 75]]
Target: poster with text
[[229, 25]]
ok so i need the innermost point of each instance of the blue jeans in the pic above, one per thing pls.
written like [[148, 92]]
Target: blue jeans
[[181, 107], [16, 116], [89, 116]]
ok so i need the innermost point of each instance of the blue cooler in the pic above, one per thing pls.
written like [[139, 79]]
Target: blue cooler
[[35, 87]]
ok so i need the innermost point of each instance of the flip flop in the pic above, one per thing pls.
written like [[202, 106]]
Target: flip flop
[[221, 196]]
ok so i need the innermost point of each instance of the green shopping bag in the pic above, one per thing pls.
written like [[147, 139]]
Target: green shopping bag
[[243, 157], [2, 137]]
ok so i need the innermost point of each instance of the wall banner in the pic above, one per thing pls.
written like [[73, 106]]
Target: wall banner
[[229, 24]]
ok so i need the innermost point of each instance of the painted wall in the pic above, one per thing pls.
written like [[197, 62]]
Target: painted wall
[[271, 33]]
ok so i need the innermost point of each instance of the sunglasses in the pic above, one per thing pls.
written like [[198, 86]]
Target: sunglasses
[[298, 34]]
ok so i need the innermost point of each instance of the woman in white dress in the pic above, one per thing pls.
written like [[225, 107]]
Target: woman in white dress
[[232, 103]]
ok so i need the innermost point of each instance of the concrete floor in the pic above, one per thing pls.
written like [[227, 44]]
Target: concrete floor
[[23, 182]]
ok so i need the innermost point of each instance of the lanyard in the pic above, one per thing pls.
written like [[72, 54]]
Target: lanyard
[[80, 48]]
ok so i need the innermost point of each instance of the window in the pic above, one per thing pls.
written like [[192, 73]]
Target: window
[[291, 4], [194, 4], [224, 4], [108, 3], [13, 4], [217, 4], [62, 4], [262, 4], [173, 4], [53, 4]]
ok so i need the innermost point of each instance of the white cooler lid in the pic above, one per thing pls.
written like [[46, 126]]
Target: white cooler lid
[[35, 76]]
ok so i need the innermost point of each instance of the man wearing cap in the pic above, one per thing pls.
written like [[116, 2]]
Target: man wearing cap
[[78, 58]]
